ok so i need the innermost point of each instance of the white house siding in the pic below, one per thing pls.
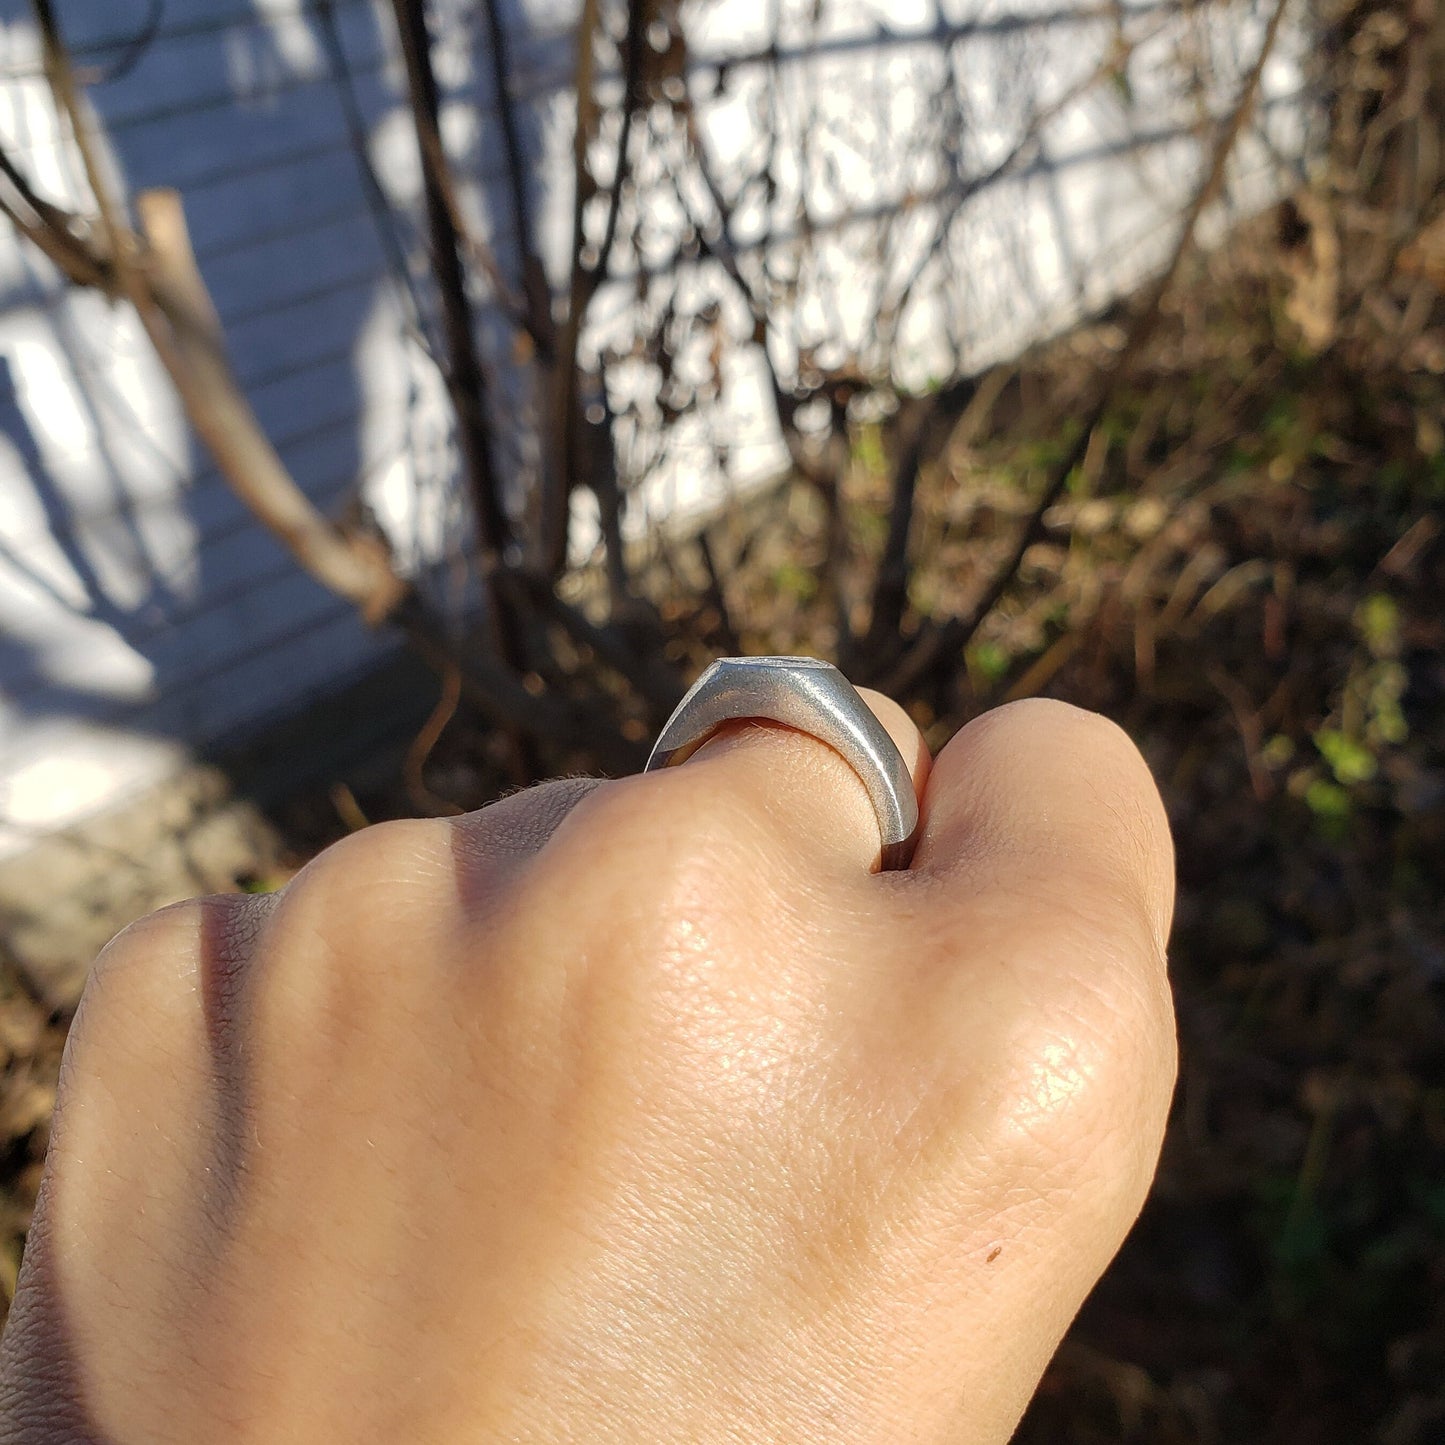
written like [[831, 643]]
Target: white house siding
[[144, 615]]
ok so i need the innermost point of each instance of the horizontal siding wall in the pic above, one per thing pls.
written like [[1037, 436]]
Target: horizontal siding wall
[[143, 613]]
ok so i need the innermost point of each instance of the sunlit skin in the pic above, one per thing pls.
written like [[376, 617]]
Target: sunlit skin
[[633, 1112]]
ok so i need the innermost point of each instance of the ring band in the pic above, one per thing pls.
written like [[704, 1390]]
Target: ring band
[[815, 698]]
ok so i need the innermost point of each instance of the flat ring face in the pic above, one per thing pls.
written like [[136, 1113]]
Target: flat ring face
[[815, 698]]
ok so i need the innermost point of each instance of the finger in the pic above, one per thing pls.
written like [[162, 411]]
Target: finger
[[803, 792], [488, 844], [1041, 796]]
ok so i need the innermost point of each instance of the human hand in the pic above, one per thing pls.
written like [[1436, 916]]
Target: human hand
[[631, 1112]]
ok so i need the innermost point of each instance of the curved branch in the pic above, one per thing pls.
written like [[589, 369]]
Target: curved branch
[[181, 321]]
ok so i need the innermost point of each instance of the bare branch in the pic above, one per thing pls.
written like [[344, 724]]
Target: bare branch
[[181, 320], [156, 272], [67, 93], [376, 198], [499, 694], [54, 231], [436, 169], [162, 282], [946, 640], [555, 501], [785, 402], [567, 473], [536, 294], [717, 597], [890, 591], [1026, 148], [464, 377]]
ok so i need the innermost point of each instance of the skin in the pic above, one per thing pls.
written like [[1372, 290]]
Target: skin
[[628, 1112]]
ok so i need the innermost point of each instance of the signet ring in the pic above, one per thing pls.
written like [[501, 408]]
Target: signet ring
[[815, 698]]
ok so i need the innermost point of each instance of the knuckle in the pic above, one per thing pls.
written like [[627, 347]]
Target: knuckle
[[520, 824], [382, 859], [655, 869], [1095, 758], [1056, 1027], [166, 929], [494, 845], [361, 892], [664, 827], [138, 970], [329, 961], [140, 1007], [1082, 1088]]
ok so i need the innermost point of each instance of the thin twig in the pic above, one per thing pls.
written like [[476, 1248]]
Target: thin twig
[[436, 169], [414, 768], [555, 502], [962, 406], [717, 598], [785, 403], [348, 809], [567, 420], [464, 376], [890, 589], [499, 695], [536, 293], [376, 198], [1027, 147], [944, 641], [1251, 733], [179, 317], [54, 231], [180, 320], [643, 669]]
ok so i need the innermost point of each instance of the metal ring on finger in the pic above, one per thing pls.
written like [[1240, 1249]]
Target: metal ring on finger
[[815, 698]]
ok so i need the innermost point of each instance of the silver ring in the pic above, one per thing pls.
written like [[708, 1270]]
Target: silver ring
[[817, 699]]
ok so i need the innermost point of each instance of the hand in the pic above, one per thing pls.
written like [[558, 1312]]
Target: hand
[[626, 1112]]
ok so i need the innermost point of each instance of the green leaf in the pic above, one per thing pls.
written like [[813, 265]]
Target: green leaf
[[989, 659], [1327, 800], [1350, 761], [796, 581], [1378, 622], [1278, 752], [868, 449]]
